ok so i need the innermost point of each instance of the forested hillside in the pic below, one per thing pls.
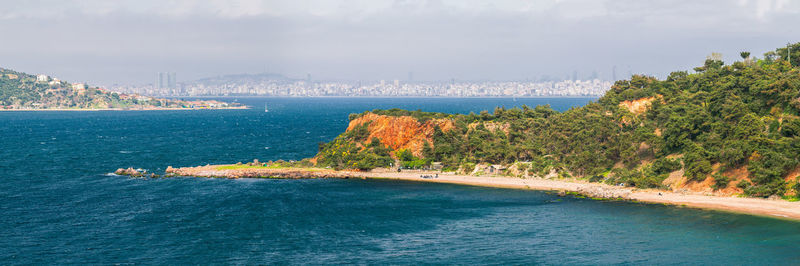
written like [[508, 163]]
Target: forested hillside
[[730, 127]]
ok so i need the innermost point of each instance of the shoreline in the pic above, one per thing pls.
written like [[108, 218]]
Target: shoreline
[[119, 109], [780, 209]]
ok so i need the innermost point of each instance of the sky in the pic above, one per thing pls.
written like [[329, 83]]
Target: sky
[[126, 42]]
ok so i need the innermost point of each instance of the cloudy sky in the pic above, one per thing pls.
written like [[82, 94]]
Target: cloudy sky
[[128, 42]]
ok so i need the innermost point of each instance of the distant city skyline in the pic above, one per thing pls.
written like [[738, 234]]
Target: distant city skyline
[[169, 79], [278, 85]]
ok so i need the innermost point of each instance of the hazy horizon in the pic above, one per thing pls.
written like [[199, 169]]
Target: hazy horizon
[[129, 42]]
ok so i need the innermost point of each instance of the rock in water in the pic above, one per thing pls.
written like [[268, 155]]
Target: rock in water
[[129, 172]]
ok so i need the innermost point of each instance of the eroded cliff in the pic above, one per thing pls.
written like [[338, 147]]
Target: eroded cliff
[[401, 132]]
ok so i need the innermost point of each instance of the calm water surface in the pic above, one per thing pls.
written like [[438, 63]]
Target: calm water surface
[[59, 206]]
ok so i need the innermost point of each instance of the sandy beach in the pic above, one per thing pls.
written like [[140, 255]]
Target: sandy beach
[[755, 206]]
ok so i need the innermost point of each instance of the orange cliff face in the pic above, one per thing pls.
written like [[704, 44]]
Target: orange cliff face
[[640, 106], [401, 132]]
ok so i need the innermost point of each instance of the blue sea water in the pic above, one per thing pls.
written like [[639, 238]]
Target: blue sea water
[[58, 205]]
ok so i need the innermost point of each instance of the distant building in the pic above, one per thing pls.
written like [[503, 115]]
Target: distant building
[[78, 86], [42, 78], [496, 169], [171, 80], [159, 81], [166, 80]]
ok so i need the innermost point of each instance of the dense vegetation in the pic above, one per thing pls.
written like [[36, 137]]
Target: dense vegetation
[[709, 123], [349, 151]]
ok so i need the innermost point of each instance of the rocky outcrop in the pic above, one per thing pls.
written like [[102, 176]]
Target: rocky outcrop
[[595, 191], [128, 172], [216, 171], [134, 172], [491, 126], [638, 106], [401, 132]]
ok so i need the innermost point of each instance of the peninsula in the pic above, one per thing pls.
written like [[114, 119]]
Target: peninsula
[[25, 92], [726, 137]]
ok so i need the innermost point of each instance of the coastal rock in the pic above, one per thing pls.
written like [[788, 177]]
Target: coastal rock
[[604, 192], [215, 172], [128, 172]]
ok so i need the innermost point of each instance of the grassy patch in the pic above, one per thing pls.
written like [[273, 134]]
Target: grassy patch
[[791, 198]]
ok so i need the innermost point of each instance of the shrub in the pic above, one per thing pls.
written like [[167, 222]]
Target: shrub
[[468, 167], [777, 187], [358, 133], [744, 184], [720, 181], [638, 178], [697, 166], [404, 155], [665, 166]]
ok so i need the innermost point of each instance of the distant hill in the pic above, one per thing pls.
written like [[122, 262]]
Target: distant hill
[[20, 90], [240, 79], [727, 129]]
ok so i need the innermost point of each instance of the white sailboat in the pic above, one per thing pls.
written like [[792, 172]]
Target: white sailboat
[[265, 108]]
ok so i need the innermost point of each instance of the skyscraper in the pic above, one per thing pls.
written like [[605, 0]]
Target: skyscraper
[[166, 80], [160, 80], [171, 80]]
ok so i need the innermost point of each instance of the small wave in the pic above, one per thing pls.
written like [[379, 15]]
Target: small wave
[[111, 174], [125, 152], [266, 148]]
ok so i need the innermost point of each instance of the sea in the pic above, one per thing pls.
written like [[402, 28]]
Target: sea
[[60, 205]]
